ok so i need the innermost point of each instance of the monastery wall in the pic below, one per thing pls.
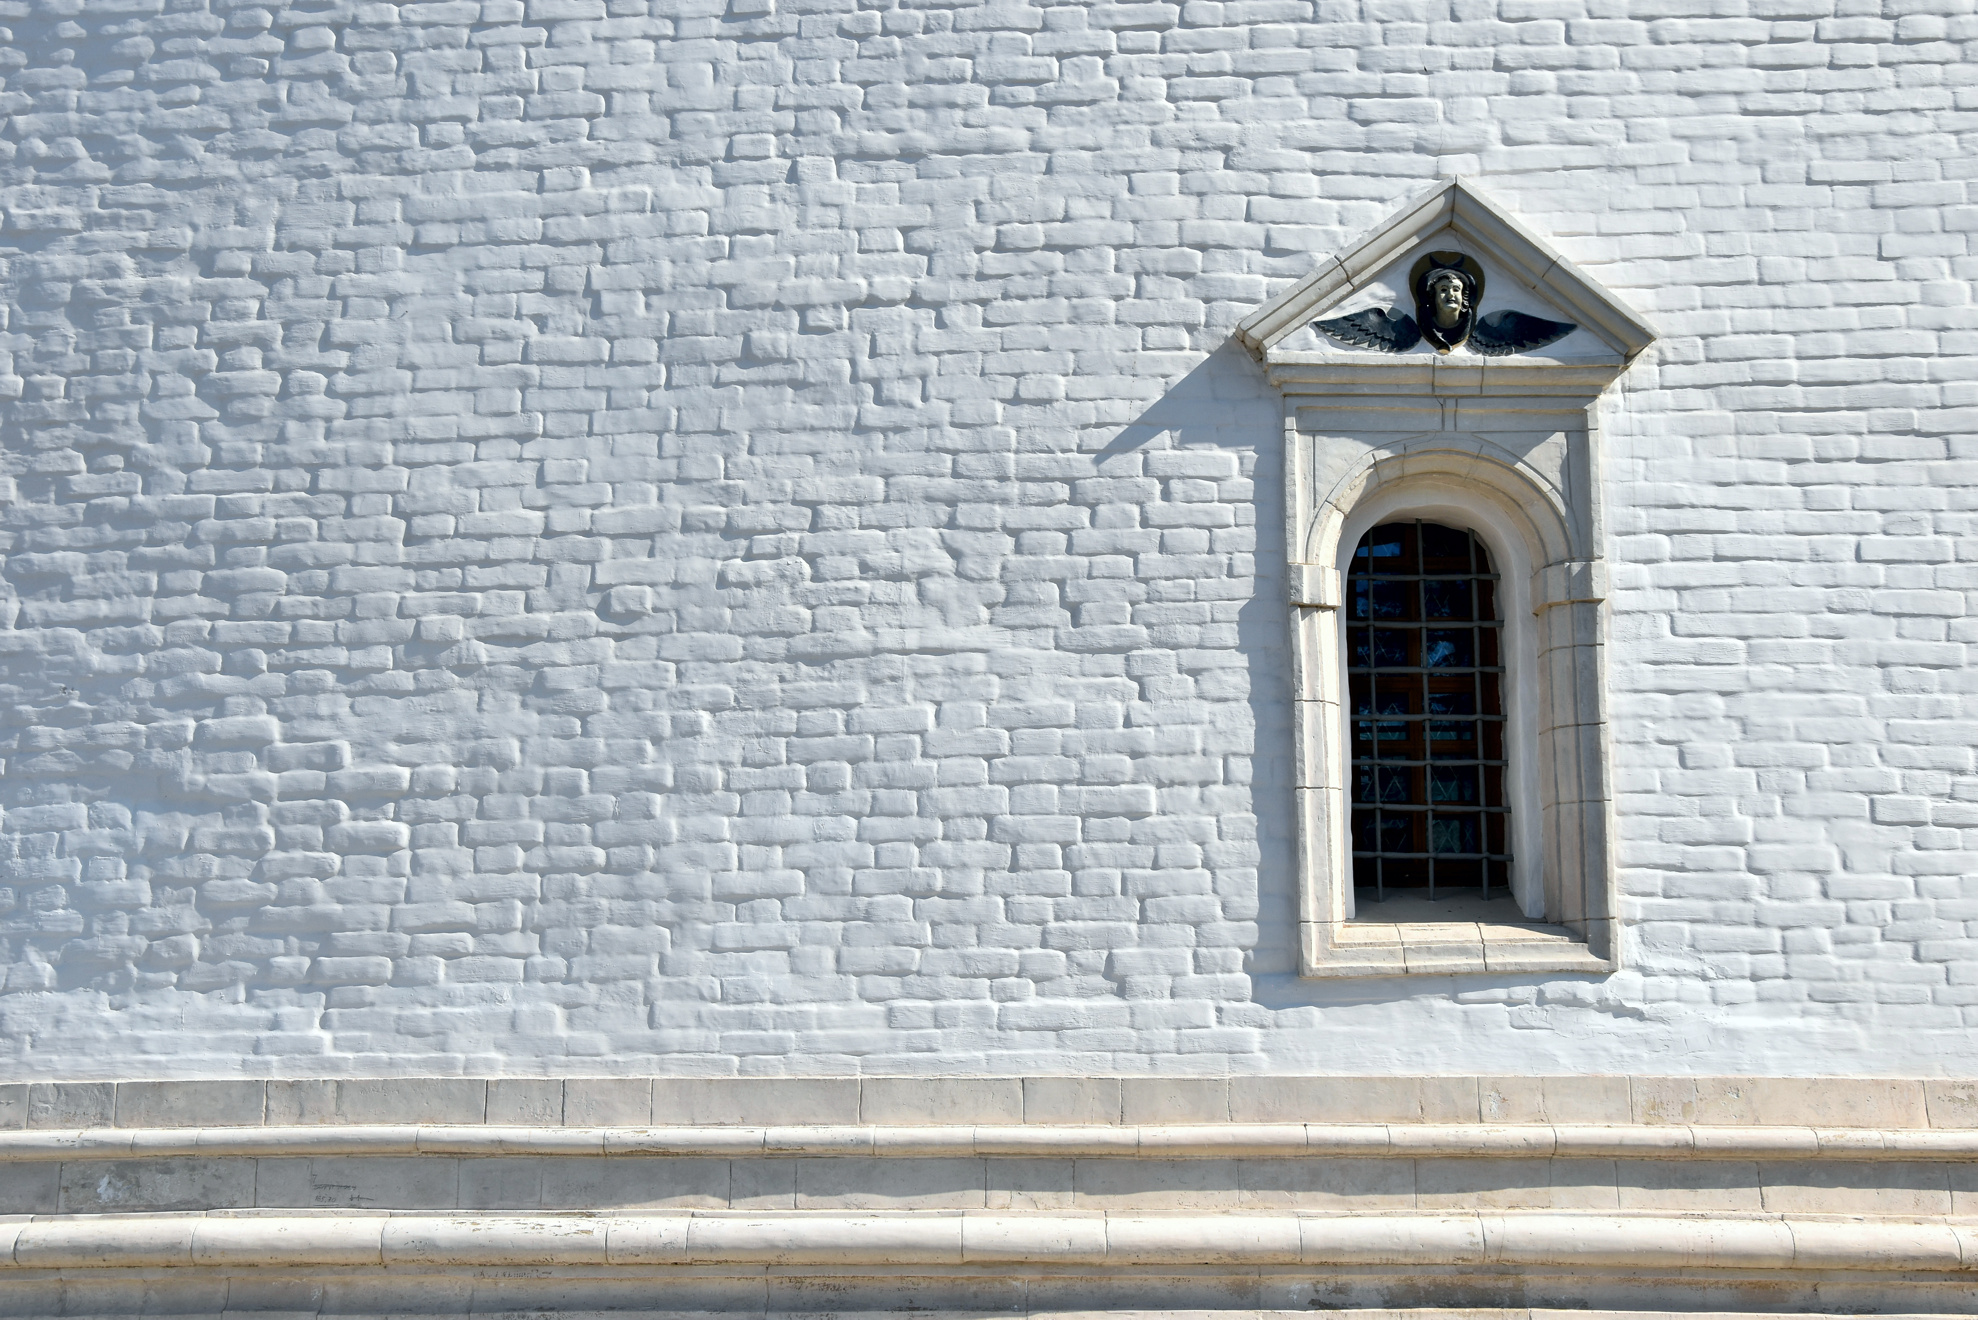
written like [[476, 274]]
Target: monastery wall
[[589, 537]]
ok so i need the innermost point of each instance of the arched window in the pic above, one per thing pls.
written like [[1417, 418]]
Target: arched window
[[1425, 698], [1447, 640]]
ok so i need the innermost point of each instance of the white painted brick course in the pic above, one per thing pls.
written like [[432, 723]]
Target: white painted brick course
[[589, 536]]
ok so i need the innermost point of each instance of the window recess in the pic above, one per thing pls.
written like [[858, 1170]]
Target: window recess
[[1424, 679]]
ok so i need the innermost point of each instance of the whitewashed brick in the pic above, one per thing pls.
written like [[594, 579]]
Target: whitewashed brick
[[548, 538]]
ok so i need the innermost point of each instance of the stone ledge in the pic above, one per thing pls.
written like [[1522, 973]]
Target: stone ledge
[[1873, 1103], [1358, 950], [1586, 1241], [1199, 1141]]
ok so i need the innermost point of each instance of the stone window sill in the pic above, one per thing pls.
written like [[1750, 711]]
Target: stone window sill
[[1446, 948]]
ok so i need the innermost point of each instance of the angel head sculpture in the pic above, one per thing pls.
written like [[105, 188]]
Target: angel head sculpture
[[1447, 286]]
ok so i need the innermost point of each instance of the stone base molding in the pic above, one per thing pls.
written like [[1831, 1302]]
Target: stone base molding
[[1841, 1102], [987, 1196], [377, 1264], [1656, 1243], [1205, 1141]]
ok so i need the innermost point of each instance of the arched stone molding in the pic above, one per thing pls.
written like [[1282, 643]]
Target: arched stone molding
[[1468, 464], [1508, 446]]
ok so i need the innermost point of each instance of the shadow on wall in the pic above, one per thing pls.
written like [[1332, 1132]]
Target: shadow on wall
[[1226, 404]]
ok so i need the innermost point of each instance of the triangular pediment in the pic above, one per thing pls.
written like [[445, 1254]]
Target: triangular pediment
[[1521, 274]]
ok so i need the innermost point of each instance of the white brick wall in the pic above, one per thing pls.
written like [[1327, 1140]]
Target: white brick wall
[[596, 536]]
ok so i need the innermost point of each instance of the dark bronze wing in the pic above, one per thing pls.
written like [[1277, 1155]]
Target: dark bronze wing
[[1504, 333], [1374, 329]]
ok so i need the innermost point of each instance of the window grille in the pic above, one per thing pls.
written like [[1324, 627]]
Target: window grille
[[1425, 677]]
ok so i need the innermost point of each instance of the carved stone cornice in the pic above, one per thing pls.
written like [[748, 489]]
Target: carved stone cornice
[[1302, 373]]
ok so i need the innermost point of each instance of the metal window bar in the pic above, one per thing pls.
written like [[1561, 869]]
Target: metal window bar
[[1427, 669], [1368, 725]]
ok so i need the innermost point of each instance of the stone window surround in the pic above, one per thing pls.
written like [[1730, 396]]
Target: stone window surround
[[1556, 733], [1510, 445]]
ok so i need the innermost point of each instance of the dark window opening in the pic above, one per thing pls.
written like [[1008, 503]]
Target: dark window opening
[[1425, 679]]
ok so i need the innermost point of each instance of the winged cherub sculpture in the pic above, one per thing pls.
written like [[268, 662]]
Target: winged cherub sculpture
[[1447, 288]]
